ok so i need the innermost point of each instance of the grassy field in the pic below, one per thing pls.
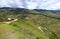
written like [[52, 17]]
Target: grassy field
[[29, 26]]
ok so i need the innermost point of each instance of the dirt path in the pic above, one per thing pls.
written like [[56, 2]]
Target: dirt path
[[40, 28], [10, 35], [8, 22], [7, 35]]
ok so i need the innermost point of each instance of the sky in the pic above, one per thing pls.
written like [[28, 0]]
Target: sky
[[31, 4]]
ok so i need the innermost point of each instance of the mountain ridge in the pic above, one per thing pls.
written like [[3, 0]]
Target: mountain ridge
[[30, 25]]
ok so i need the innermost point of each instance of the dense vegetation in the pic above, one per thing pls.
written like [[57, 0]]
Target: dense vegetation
[[30, 24]]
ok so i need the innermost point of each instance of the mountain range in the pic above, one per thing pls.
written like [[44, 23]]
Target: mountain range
[[30, 24]]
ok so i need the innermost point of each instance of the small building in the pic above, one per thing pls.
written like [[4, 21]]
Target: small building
[[10, 19]]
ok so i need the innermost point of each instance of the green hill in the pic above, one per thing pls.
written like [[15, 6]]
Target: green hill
[[30, 25]]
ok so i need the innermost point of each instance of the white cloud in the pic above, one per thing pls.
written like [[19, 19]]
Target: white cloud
[[48, 4], [31, 4], [55, 6]]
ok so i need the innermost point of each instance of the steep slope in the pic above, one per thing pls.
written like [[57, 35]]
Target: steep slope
[[30, 25], [23, 29], [20, 30], [8, 32]]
